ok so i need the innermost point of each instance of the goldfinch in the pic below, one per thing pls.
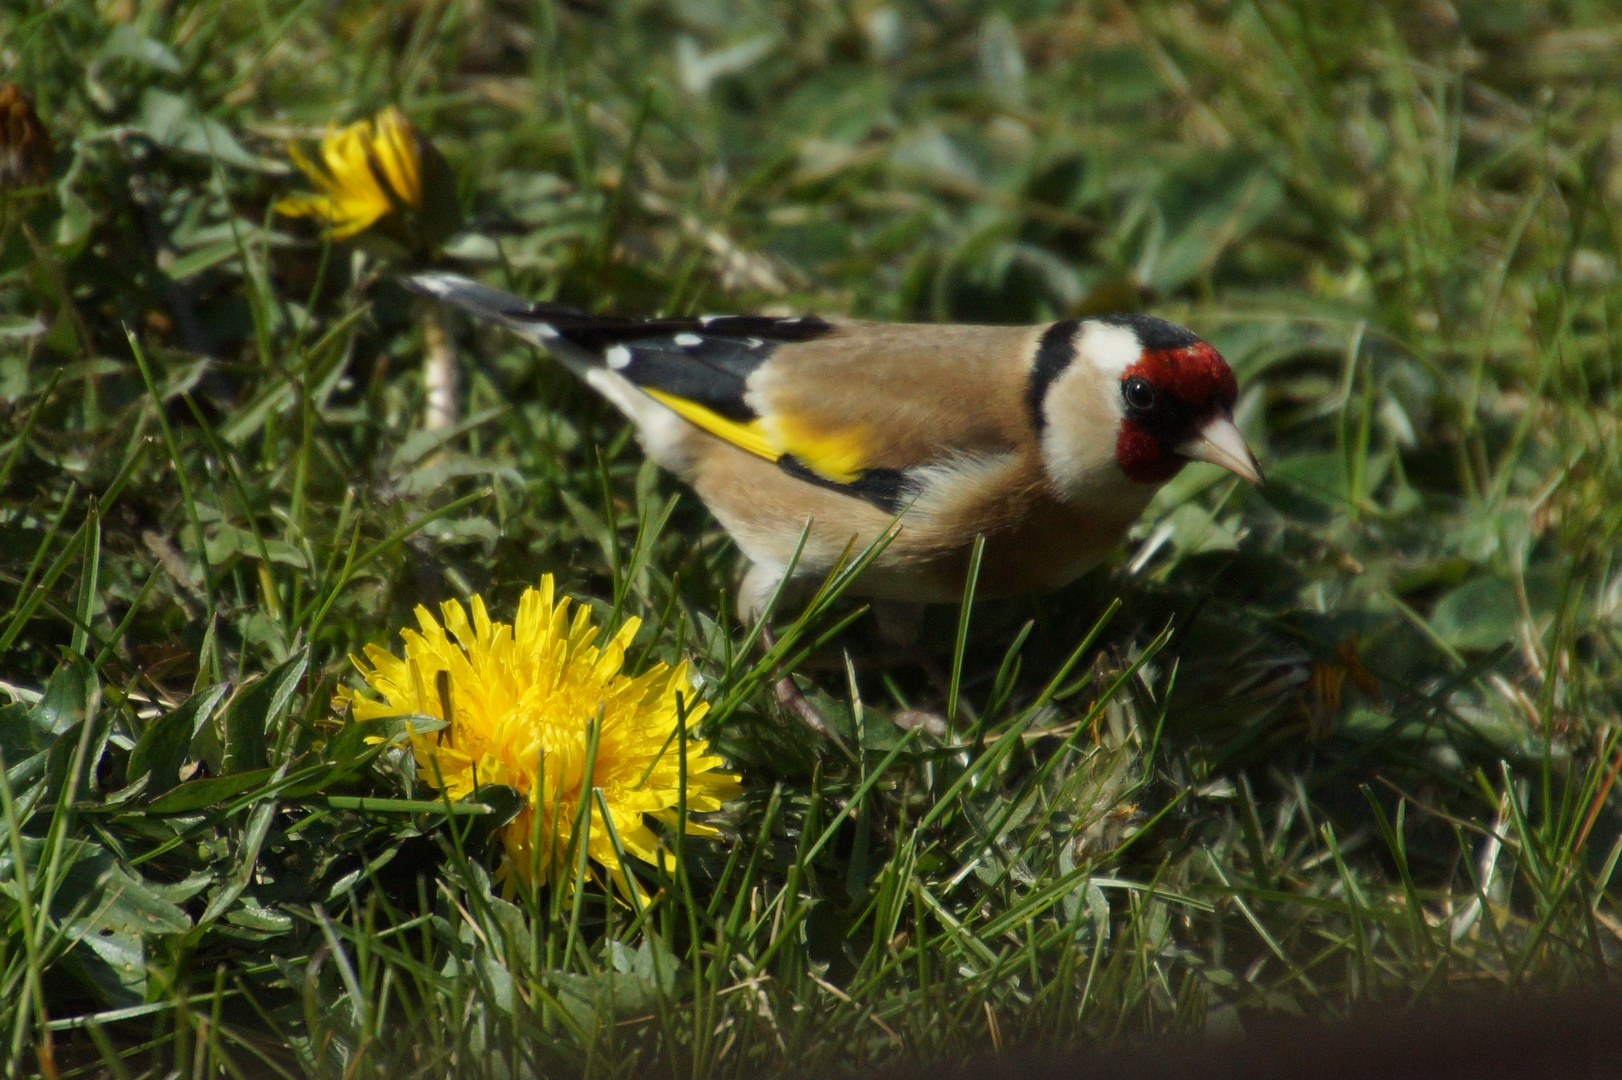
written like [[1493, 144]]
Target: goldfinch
[[1047, 440]]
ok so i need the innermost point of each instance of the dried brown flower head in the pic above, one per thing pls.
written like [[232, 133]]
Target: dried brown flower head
[[26, 148]]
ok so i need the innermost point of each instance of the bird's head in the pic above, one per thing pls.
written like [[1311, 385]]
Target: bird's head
[[1137, 394]]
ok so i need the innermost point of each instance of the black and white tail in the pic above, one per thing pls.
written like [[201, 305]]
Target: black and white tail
[[705, 360], [534, 321]]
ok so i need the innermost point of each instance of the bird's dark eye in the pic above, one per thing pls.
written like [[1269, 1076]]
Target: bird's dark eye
[[1138, 394]]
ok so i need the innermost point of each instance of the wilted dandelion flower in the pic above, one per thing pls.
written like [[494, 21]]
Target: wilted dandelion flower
[[378, 172], [518, 704], [383, 184]]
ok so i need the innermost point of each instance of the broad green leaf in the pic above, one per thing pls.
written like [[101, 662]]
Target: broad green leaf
[[65, 751], [1207, 210], [173, 120], [114, 964], [161, 751], [251, 915], [70, 696], [204, 258], [128, 904], [23, 775], [1002, 64], [196, 794], [19, 738], [1307, 487], [94, 892], [180, 891], [634, 984], [1194, 530], [246, 851], [128, 43], [254, 710], [1481, 614], [228, 540]]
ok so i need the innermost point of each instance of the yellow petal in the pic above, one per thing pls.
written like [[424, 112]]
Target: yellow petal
[[394, 149], [366, 169], [317, 206]]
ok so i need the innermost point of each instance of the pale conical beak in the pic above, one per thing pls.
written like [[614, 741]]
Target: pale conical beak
[[1219, 442]]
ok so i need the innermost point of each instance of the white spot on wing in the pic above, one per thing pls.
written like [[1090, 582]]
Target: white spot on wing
[[1112, 349], [618, 356], [546, 333], [687, 341], [705, 320]]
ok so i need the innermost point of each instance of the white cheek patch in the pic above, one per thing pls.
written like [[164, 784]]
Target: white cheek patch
[[1066, 461], [1112, 349], [1084, 422]]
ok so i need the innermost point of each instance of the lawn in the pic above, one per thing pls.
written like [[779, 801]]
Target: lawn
[[1348, 740]]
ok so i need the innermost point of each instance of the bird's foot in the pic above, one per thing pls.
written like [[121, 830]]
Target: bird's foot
[[933, 724]]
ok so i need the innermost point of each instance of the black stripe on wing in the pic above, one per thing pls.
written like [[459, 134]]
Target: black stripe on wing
[[707, 360], [888, 489]]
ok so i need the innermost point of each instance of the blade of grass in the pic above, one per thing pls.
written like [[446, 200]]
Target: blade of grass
[[965, 610]]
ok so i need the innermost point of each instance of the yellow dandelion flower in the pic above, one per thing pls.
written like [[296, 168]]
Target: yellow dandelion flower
[[377, 171], [520, 701]]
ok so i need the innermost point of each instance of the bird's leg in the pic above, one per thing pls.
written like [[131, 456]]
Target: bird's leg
[[790, 696], [898, 623], [754, 594]]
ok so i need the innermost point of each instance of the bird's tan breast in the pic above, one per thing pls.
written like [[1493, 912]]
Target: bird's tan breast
[[1034, 541]]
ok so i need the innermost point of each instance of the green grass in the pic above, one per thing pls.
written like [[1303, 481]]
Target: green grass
[[1351, 738]]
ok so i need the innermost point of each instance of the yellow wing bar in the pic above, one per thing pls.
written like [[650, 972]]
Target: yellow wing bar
[[839, 458], [745, 436]]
